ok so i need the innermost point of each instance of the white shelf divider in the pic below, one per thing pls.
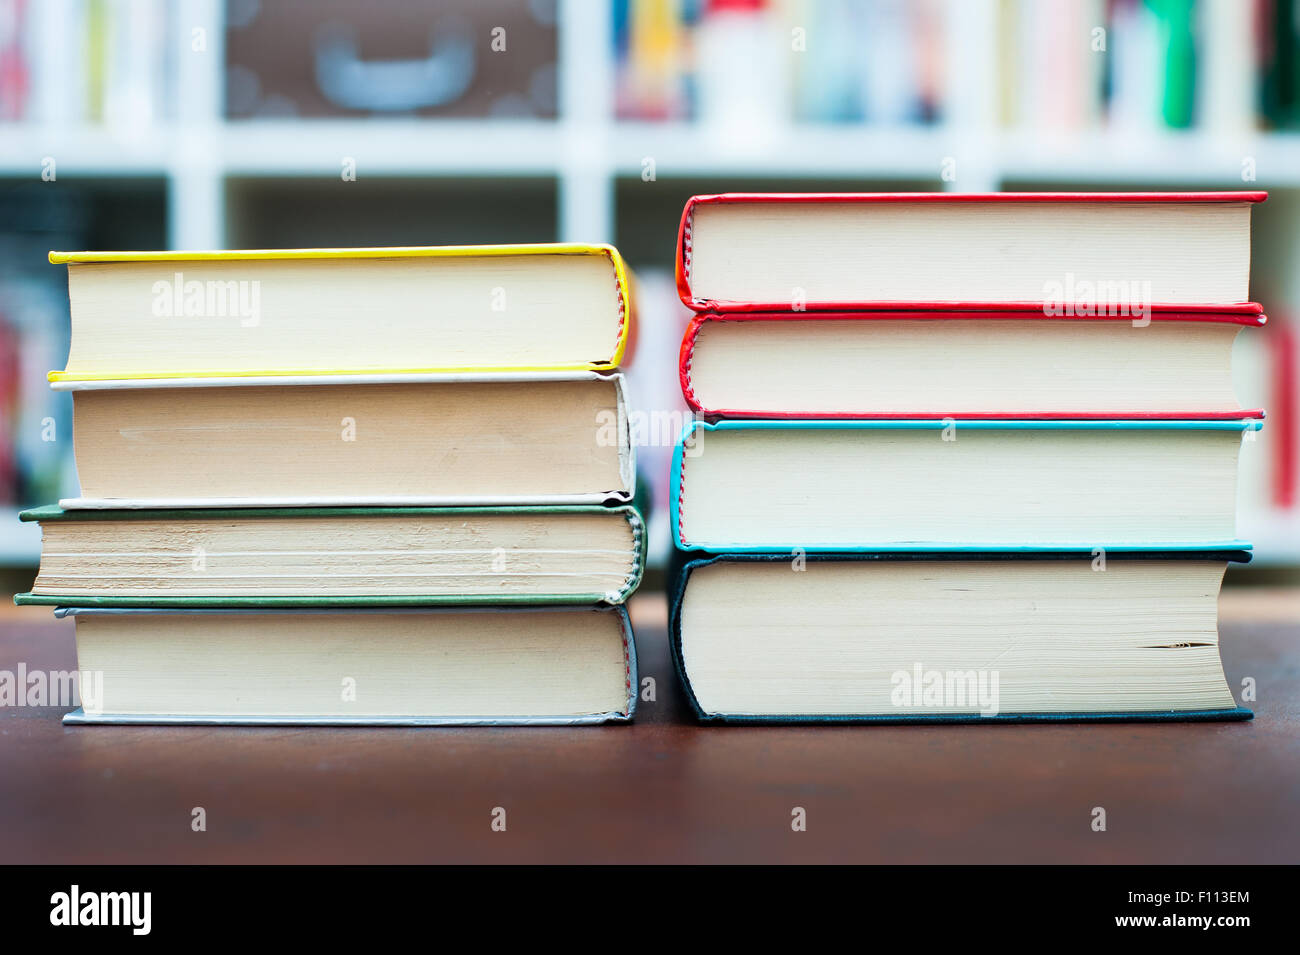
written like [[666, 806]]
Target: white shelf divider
[[196, 179], [586, 105], [970, 97]]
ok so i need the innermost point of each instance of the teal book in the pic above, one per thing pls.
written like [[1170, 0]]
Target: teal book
[[964, 638], [337, 557], [954, 485]]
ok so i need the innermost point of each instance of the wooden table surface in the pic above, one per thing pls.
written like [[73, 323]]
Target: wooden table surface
[[661, 789]]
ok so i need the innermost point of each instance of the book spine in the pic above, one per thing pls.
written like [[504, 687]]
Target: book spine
[[675, 597]]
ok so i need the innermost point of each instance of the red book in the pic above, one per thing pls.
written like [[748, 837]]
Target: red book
[[964, 365], [1069, 254], [924, 305]]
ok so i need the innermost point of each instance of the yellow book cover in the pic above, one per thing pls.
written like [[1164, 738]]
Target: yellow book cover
[[410, 310]]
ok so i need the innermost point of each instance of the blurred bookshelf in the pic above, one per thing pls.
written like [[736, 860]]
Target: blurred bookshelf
[[202, 124]]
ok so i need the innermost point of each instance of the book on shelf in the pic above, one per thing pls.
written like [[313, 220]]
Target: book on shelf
[[916, 637], [89, 61]]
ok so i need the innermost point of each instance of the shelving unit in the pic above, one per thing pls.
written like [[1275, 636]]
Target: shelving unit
[[581, 175], [586, 149]]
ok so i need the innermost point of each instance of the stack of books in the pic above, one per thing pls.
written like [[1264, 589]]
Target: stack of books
[[962, 457], [348, 486]]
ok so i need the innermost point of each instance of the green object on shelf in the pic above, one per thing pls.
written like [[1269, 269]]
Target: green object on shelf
[[1175, 19]]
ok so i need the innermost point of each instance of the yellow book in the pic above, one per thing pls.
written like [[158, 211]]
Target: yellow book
[[282, 312]]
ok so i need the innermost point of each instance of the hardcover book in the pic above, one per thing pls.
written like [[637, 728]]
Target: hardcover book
[[355, 667], [469, 309], [559, 438], [1130, 251], [337, 557], [910, 637], [962, 364], [957, 485]]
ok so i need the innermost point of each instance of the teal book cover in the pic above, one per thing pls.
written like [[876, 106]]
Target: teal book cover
[[749, 658], [328, 556], [826, 486]]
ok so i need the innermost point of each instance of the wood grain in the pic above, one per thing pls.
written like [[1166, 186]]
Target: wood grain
[[660, 790]]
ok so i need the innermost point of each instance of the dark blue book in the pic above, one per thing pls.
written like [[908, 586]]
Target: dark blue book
[[936, 636]]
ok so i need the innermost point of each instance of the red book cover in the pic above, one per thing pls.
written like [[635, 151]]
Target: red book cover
[[1248, 315], [685, 243]]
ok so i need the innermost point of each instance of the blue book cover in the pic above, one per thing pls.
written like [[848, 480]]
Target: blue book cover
[[680, 582], [1036, 475]]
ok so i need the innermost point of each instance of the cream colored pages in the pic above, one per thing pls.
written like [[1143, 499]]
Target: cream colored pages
[[963, 365], [1061, 637], [859, 488], [534, 663], [203, 317], [420, 555], [369, 443], [786, 252]]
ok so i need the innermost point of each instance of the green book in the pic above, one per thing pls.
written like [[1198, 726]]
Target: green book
[[1175, 19], [272, 558]]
